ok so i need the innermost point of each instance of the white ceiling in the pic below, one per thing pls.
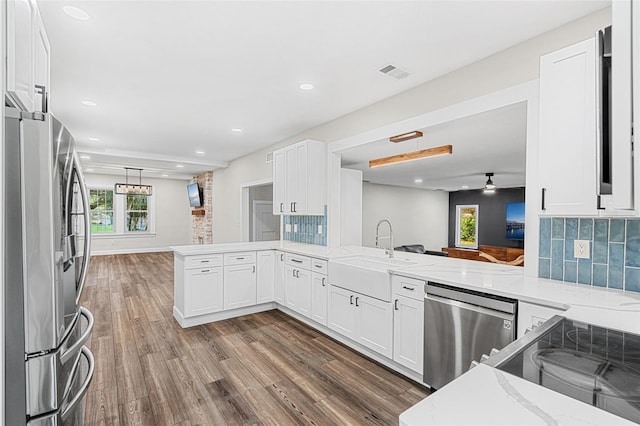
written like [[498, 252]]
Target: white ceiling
[[492, 141], [173, 77]]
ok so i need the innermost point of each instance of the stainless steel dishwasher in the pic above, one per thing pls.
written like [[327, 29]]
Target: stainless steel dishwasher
[[459, 327]]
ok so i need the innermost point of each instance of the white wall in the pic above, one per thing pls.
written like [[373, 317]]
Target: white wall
[[172, 217], [508, 68], [418, 216]]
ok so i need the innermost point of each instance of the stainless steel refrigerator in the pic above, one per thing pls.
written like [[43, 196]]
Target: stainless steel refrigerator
[[47, 224]]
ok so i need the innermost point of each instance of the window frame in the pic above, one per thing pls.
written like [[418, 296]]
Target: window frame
[[120, 216], [113, 209]]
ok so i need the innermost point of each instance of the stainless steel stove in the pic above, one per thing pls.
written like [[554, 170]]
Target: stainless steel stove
[[595, 365]]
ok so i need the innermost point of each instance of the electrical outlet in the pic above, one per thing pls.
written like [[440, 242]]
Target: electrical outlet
[[287, 227], [581, 249], [295, 227], [319, 229]]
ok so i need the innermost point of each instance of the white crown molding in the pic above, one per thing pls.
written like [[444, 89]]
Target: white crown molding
[[152, 157]]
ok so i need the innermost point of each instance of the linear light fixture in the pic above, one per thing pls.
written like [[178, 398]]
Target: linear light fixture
[[133, 189], [406, 136], [410, 156]]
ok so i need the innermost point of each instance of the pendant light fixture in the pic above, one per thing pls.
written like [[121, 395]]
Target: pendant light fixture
[[133, 189], [489, 186]]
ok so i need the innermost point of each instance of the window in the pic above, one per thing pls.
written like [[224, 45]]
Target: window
[[136, 213], [467, 226], [101, 204]]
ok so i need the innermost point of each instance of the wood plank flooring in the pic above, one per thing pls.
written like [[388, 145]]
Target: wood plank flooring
[[266, 368]]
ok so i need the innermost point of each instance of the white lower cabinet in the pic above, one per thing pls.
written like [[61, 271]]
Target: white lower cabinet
[[265, 265], [298, 290], [364, 319], [408, 332], [204, 295], [279, 276], [531, 316], [239, 286], [319, 294]]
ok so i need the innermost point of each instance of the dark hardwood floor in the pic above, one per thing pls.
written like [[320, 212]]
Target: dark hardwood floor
[[266, 368]]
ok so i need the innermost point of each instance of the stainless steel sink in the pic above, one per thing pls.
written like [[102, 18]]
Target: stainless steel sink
[[365, 274]]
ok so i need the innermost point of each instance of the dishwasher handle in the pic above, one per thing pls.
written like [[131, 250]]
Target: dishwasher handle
[[462, 305]]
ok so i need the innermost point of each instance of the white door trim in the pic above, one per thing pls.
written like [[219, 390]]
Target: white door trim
[[245, 207], [253, 210]]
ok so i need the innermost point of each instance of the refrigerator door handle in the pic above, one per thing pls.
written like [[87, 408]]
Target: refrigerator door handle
[[85, 385], [83, 339], [69, 251], [87, 227]]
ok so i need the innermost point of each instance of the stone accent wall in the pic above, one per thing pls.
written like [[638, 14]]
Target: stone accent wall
[[202, 226]]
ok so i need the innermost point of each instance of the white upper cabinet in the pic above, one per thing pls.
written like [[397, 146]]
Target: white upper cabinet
[[567, 165], [299, 179], [28, 54]]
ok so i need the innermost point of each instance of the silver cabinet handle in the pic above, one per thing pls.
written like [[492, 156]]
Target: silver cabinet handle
[[395, 304], [351, 299], [204, 261], [544, 193], [296, 260], [408, 288], [254, 269], [323, 281], [295, 207], [281, 257], [357, 301], [297, 273], [239, 258], [292, 209], [205, 270], [281, 207]]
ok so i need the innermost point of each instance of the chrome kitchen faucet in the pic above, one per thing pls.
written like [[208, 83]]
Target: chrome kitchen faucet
[[390, 237]]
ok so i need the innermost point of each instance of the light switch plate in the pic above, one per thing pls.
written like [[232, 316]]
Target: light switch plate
[[287, 227], [295, 227], [581, 249], [319, 229]]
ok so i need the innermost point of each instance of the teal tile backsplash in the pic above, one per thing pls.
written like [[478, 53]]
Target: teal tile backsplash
[[614, 261], [306, 229]]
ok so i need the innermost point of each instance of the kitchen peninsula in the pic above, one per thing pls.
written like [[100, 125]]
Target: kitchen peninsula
[[538, 299]]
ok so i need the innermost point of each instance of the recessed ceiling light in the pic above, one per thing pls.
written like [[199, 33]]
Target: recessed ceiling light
[[236, 130], [94, 139], [85, 157], [465, 186], [89, 103], [417, 180], [165, 175], [76, 12], [306, 86], [89, 170], [201, 153], [179, 166]]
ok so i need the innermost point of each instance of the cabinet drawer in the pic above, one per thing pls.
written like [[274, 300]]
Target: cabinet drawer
[[239, 258], [303, 262], [319, 266], [192, 262], [408, 287]]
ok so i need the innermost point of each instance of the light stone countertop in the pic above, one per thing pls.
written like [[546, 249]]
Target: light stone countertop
[[485, 395]]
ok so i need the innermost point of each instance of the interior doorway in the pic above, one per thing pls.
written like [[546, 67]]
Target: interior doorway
[[258, 221]]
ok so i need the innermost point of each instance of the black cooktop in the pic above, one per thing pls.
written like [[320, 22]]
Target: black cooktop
[[596, 365]]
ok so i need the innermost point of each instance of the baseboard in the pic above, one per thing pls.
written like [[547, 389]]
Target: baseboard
[[218, 316], [129, 251]]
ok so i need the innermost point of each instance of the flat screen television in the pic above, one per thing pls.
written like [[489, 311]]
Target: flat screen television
[[195, 195], [515, 221]]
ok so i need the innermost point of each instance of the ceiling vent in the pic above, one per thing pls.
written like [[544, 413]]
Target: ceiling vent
[[270, 157], [393, 71]]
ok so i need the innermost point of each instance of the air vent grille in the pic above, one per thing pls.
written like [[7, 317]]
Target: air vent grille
[[393, 71], [270, 157]]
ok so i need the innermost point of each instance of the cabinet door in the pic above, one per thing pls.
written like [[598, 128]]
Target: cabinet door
[[278, 285], [42, 65], [21, 20], [342, 312], [408, 332], [319, 294], [290, 288], [203, 291], [567, 164], [239, 286], [266, 275], [280, 183], [303, 282], [374, 323], [299, 196], [291, 161]]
